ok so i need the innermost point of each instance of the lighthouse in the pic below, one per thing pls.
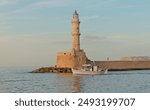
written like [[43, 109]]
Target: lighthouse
[[76, 57], [76, 31]]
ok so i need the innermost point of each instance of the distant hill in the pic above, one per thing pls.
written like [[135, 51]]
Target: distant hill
[[136, 58]]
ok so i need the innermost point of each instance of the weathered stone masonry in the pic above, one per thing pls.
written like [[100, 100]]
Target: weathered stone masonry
[[76, 57]]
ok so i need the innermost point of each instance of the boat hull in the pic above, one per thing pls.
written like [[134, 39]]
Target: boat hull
[[82, 72]]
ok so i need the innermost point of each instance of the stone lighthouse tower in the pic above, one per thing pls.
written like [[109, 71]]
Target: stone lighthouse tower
[[76, 31], [76, 57]]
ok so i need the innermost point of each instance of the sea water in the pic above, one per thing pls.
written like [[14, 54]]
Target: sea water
[[20, 80]]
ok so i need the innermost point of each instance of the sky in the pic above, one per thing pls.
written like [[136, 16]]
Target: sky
[[33, 31]]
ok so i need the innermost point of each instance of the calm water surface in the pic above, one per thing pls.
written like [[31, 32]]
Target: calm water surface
[[19, 80]]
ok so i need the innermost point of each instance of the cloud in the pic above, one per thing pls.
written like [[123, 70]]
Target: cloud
[[94, 18], [131, 6], [100, 4], [89, 17], [41, 4], [114, 39], [7, 2], [4, 27], [93, 38], [49, 4]]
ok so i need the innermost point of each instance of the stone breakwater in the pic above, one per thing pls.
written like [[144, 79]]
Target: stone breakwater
[[52, 70], [124, 65], [110, 65]]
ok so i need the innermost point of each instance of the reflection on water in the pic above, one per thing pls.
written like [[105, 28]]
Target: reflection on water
[[19, 80], [74, 83]]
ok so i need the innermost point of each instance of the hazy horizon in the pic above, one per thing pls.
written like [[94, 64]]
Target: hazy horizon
[[32, 32]]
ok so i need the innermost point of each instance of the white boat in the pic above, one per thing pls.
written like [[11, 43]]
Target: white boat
[[94, 70]]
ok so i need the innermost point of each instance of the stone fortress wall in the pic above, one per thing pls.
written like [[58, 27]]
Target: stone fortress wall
[[76, 57], [124, 65], [71, 59], [64, 59]]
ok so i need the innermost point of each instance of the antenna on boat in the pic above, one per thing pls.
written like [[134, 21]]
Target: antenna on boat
[[94, 63]]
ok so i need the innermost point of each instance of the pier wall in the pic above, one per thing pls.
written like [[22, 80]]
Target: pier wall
[[110, 65], [124, 65]]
